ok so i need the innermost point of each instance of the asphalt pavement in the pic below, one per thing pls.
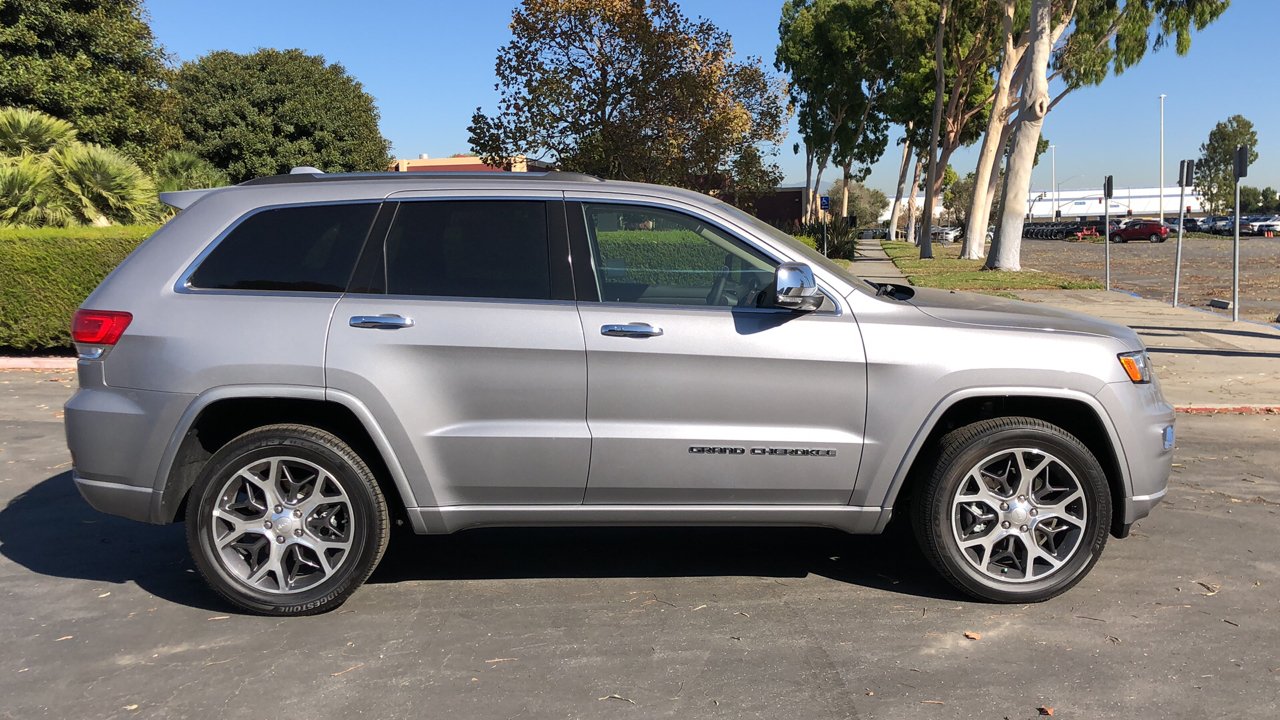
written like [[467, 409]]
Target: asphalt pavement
[[105, 618]]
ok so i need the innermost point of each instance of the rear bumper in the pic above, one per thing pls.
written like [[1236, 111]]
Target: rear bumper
[[117, 439], [116, 499]]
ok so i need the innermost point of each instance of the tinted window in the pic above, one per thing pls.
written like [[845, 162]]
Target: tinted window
[[469, 248], [650, 255], [305, 248]]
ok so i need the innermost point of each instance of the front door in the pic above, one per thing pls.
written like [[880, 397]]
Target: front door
[[461, 334], [694, 394]]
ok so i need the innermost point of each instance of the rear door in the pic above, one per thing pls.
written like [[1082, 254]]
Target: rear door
[[461, 335], [695, 394]]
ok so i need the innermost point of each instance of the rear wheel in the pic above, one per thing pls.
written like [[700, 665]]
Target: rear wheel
[[1017, 510], [286, 520], [1155, 238]]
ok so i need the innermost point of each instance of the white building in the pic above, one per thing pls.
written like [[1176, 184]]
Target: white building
[[1138, 202]]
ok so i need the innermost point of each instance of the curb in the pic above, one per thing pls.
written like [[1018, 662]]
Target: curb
[[37, 363], [1228, 409]]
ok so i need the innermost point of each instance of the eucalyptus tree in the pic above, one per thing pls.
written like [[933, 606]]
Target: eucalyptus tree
[[1081, 43], [838, 55]]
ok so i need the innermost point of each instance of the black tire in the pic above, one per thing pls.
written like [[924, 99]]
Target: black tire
[[1155, 238], [961, 451], [366, 525]]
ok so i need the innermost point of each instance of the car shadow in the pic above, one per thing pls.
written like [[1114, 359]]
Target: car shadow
[[1210, 331], [1211, 352], [889, 562], [50, 530]]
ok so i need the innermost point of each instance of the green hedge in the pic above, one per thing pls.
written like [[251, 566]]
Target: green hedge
[[46, 273], [653, 256]]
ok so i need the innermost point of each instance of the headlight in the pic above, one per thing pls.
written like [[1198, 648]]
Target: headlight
[[1137, 366]]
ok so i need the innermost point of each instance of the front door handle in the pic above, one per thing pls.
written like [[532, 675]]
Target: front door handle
[[636, 330], [381, 322]]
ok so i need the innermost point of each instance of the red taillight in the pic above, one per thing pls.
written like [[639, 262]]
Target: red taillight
[[99, 327]]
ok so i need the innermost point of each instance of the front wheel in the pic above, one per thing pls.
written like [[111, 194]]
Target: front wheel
[[1017, 510], [286, 520]]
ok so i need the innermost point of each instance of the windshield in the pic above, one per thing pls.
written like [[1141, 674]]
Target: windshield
[[812, 256]]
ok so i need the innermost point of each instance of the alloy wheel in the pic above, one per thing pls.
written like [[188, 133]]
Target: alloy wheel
[[1019, 515]]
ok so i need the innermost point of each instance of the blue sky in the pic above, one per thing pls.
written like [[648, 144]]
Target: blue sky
[[429, 64]]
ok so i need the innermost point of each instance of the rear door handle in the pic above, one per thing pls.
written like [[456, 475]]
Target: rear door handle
[[381, 322], [636, 330]]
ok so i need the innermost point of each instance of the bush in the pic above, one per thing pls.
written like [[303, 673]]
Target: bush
[[809, 240], [648, 256], [45, 274]]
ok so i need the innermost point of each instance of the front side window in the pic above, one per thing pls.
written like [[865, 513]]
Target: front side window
[[651, 255], [469, 248], [305, 248]]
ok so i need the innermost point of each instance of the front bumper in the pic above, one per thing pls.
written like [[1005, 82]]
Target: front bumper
[[1144, 421]]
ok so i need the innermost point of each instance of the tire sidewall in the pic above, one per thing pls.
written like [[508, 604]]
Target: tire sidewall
[[1097, 497], [246, 450]]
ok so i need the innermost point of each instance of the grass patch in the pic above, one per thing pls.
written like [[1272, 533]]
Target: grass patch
[[948, 272]]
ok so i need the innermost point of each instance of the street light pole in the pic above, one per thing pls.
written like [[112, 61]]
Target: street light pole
[[1162, 97], [1053, 156]]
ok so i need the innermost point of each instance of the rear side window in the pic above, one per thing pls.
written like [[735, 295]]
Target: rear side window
[[306, 248], [470, 248]]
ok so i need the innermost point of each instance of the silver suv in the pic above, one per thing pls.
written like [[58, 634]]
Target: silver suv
[[295, 363]]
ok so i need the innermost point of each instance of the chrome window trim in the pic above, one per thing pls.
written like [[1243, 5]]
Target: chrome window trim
[[184, 286], [760, 247]]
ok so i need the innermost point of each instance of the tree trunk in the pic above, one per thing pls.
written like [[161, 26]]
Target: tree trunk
[[975, 235], [911, 202], [902, 187], [844, 200], [817, 189], [1034, 105], [935, 172], [807, 203]]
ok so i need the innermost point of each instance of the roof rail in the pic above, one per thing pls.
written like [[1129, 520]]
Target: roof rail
[[306, 175]]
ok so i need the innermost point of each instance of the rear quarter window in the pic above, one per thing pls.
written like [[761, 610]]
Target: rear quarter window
[[308, 248]]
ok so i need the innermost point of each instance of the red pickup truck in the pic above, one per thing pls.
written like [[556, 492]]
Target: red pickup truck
[[1140, 230]]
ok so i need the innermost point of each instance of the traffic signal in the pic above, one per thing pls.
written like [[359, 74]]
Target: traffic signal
[[1240, 163]]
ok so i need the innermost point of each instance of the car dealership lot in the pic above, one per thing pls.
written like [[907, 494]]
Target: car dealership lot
[[105, 618]]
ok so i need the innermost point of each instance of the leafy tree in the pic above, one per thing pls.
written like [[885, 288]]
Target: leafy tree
[[633, 90], [53, 179], [93, 63], [179, 170], [265, 112], [865, 204], [1214, 178], [1078, 43], [838, 54]]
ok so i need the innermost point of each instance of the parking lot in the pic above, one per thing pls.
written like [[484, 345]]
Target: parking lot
[[105, 618], [1147, 269]]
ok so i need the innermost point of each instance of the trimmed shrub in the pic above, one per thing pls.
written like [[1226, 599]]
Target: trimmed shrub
[[653, 256], [809, 240], [46, 273]]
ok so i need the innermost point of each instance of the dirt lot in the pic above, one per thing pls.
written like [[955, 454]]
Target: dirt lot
[[1147, 269]]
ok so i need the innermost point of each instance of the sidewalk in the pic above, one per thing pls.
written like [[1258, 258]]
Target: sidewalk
[[1205, 363]]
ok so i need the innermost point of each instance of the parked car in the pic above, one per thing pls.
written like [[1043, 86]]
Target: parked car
[[1191, 225], [946, 234], [294, 363], [1151, 230], [1264, 225]]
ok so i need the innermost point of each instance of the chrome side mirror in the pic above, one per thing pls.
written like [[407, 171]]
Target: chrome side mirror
[[795, 288]]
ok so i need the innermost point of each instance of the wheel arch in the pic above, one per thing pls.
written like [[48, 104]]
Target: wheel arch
[[1075, 412], [219, 415]]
